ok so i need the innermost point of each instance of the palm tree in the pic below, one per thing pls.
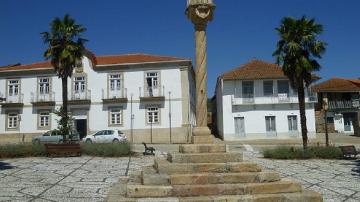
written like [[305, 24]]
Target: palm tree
[[297, 51], [65, 49]]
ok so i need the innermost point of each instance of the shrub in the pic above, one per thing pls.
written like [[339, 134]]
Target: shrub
[[21, 150], [287, 152], [107, 150], [34, 150]]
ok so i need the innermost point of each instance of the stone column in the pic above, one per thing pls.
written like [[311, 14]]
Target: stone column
[[200, 12]]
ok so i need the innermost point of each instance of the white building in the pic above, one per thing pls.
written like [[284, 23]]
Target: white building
[[255, 101], [149, 97]]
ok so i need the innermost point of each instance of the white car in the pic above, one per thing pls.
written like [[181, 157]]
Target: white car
[[105, 136]]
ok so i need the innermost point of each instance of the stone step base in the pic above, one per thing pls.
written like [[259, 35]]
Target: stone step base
[[165, 167], [202, 139], [236, 189], [224, 178], [140, 191], [205, 157], [202, 148], [304, 196]]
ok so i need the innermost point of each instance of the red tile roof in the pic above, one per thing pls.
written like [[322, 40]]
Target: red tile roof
[[338, 85], [101, 60], [255, 69], [134, 58]]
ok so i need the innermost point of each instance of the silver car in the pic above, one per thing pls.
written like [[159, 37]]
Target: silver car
[[53, 136], [106, 136]]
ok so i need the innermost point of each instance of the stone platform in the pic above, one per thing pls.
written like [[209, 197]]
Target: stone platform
[[206, 172]]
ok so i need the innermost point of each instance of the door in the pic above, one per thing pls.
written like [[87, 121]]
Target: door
[[81, 127], [270, 126], [239, 126], [79, 88], [348, 124]]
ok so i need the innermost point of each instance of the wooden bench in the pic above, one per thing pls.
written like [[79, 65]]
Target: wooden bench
[[63, 149], [148, 150], [349, 151]]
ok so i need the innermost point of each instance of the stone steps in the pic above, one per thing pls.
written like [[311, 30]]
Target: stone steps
[[164, 166], [205, 157], [139, 191], [223, 178], [202, 148]]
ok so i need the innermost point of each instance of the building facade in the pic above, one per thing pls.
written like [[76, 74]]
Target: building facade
[[256, 101], [342, 97], [150, 98]]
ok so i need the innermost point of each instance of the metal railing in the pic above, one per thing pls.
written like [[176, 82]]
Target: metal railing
[[18, 98], [275, 99], [344, 104], [152, 91], [81, 95], [114, 94], [43, 97]]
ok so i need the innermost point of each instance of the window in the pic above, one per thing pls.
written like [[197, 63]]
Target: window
[[152, 79], [283, 87], [152, 115], [79, 84], [270, 123], [268, 88], [248, 89], [292, 122], [13, 87], [115, 82], [13, 120], [44, 119], [44, 85], [115, 116]]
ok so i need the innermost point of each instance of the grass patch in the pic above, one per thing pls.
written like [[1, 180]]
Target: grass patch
[[35, 150], [287, 152], [106, 150], [21, 150]]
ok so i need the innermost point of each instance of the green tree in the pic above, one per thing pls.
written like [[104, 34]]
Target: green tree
[[65, 49], [297, 51]]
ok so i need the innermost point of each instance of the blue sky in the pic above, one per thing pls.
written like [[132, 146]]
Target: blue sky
[[242, 30]]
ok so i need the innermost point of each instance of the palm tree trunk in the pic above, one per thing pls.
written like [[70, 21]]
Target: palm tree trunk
[[301, 98], [65, 106]]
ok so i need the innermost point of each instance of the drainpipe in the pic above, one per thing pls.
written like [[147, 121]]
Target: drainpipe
[[170, 114], [131, 118]]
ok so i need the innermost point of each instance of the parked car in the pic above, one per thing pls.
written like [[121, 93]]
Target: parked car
[[53, 136], [105, 136]]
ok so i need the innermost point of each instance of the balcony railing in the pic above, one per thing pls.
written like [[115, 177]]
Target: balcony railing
[[152, 91], [43, 97], [276, 99], [81, 95], [344, 104], [12, 100], [114, 94]]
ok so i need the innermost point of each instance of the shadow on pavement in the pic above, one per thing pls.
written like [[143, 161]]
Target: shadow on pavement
[[5, 166], [356, 169]]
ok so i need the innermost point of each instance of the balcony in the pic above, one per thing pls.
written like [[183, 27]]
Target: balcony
[[344, 104], [80, 98], [152, 93], [114, 96], [281, 98], [43, 99], [12, 100]]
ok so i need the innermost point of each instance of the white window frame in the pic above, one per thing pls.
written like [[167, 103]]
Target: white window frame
[[79, 84], [152, 114], [154, 77], [115, 116], [13, 87], [44, 85], [44, 119], [12, 120], [115, 82]]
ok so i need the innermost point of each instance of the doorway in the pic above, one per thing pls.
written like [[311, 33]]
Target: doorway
[[81, 127], [239, 126]]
